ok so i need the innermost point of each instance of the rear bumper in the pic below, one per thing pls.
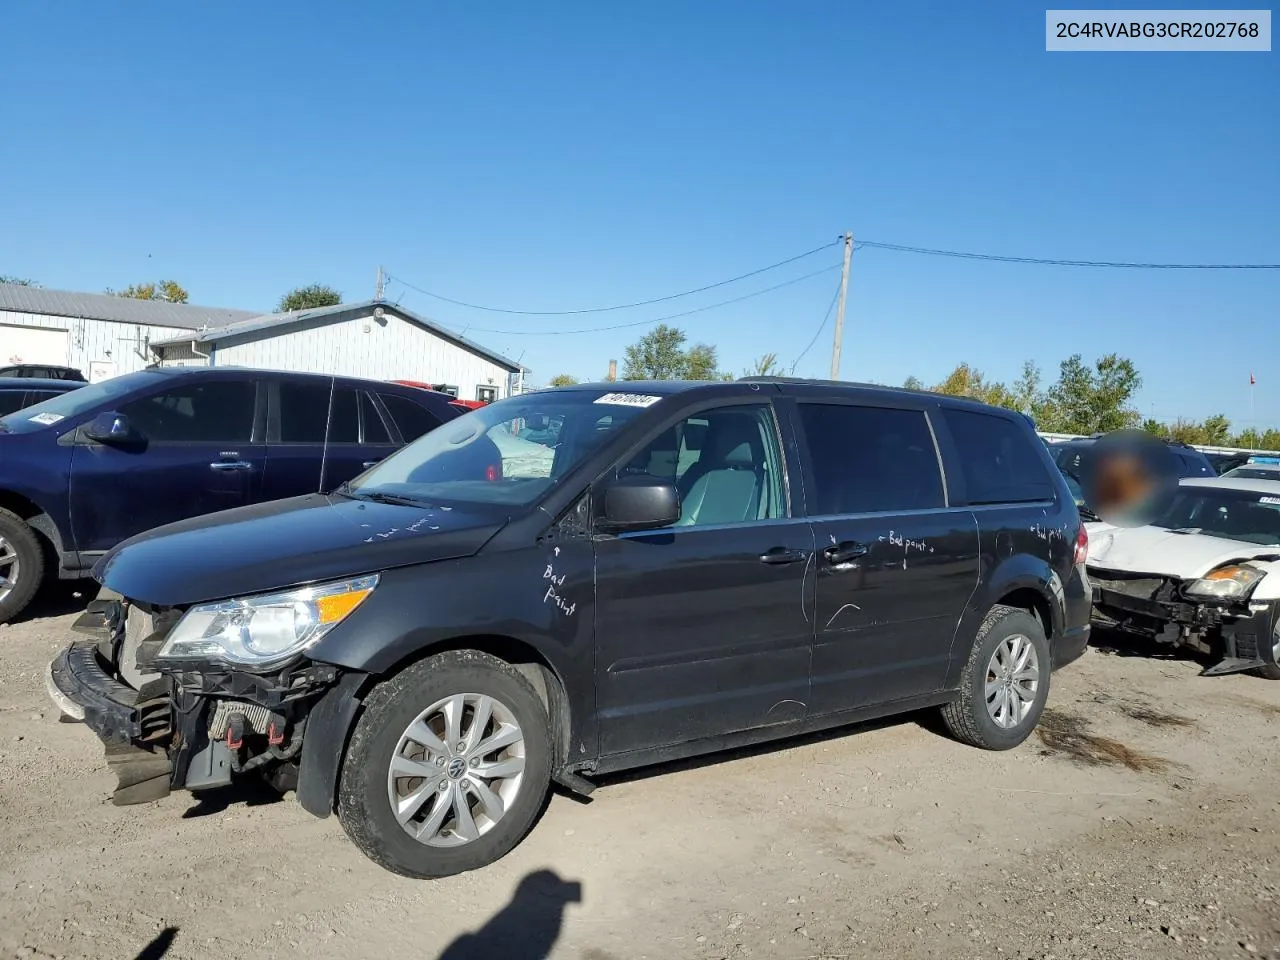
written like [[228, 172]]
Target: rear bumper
[[1070, 645]]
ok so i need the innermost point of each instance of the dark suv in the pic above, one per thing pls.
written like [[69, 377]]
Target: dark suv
[[83, 470], [42, 371], [19, 392], [672, 568]]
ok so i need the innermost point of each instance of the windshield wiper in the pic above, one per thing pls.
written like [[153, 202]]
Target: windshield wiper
[[377, 497]]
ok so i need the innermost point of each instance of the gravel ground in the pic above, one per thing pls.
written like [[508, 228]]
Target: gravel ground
[[1139, 822]]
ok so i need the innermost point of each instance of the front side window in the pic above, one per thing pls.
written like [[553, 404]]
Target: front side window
[[509, 452], [999, 459], [196, 412], [11, 400], [344, 423], [870, 460], [725, 462]]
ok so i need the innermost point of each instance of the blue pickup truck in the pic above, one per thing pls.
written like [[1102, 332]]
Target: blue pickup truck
[[85, 470]]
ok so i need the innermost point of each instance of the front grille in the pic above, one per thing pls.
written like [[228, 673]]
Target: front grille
[[1120, 582]]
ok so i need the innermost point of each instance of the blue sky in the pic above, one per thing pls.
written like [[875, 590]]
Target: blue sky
[[575, 154]]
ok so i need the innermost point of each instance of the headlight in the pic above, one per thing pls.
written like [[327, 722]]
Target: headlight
[[265, 630], [1232, 582]]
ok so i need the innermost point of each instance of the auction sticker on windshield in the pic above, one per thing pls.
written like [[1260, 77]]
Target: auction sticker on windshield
[[1275, 500], [628, 399], [47, 418]]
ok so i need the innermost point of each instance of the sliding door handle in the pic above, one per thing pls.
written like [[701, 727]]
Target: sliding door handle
[[781, 555]]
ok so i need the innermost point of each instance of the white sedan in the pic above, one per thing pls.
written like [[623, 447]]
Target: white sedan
[[1204, 573]]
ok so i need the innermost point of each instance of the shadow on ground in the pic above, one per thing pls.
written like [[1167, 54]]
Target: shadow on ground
[[249, 792], [1117, 643], [158, 947], [58, 598], [526, 928]]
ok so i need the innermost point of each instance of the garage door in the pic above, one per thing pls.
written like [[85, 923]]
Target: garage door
[[32, 345]]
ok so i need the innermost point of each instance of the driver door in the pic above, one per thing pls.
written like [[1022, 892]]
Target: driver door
[[702, 628], [199, 451]]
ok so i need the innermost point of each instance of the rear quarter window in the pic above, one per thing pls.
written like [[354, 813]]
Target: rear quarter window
[[998, 459]]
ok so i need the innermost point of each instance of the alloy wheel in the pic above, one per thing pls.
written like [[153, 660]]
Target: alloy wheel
[[456, 770], [10, 568], [1013, 677]]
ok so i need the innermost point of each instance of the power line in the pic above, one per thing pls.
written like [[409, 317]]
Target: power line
[[619, 306], [1046, 261], [652, 320], [817, 333]]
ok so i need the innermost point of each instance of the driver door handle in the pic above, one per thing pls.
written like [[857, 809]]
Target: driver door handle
[[781, 555], [224, 465], [844, 552], [369, 463]]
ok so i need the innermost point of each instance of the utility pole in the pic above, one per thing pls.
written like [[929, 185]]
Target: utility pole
[[378, 287], [844, 289]]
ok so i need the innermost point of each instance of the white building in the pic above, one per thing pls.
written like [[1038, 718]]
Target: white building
[[100, 335], [374, 339]]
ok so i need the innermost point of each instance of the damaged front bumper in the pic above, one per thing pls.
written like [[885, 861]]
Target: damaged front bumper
[[1236, 633], [192, 727]]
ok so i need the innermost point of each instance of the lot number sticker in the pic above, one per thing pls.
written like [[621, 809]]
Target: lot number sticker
[[1275, 500], [629, 399], [47, 418]]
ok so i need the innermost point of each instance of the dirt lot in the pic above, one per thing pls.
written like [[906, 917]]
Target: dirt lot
[[1142, 822]]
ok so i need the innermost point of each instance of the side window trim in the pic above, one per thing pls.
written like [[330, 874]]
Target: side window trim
[[877, 403], [720, 403], [388, 421], [366, 400]]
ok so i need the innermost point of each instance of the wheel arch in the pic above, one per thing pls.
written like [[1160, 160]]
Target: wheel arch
[[325, 749]]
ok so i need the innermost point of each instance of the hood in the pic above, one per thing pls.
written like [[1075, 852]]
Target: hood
[[1156, 550], [270, 546]]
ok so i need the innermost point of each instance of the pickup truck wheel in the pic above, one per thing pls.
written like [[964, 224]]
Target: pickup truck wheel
[[1005, 682], [448, 766], [21, 565]]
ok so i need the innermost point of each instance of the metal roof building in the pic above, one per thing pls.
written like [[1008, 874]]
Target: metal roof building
[[372, 339], [101, 335]]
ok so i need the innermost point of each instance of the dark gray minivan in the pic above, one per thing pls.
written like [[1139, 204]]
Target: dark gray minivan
[[578, 581]]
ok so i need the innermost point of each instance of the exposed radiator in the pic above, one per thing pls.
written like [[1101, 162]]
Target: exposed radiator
[[255, 717]]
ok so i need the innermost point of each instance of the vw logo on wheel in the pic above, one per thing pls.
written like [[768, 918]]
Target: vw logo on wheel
[[457, 767]]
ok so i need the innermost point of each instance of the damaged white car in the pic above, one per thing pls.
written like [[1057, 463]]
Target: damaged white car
[[1204, 573]]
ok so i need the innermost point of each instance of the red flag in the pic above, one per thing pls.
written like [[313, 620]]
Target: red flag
[[1251, 380]]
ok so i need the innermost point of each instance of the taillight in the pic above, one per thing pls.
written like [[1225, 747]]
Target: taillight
[[1082, 545], [493, 472]]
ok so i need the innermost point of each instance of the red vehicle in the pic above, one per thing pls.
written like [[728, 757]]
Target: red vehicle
[[439, 388]]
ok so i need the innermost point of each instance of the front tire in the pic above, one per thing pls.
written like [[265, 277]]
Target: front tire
[[1005, 683], [21, 565], [448, 766]]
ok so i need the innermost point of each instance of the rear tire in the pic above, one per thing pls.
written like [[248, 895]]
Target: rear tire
[[21, 561], [458, 806], [1005, 682]]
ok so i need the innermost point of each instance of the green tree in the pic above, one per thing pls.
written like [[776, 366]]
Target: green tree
[[562, 380], [310, 297], [168, 291], [1216, 431], [660, 355], [965, 381], [1093, 400], [766, 366], [18, 281], [1155, 428], [913, 383]]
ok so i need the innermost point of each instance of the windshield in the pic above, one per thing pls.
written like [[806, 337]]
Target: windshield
[[1253, 473], [48, 413], [1243, 515], [508, 452]]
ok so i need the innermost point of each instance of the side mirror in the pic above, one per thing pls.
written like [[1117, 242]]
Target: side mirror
[[110, 427], [640, 503]]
